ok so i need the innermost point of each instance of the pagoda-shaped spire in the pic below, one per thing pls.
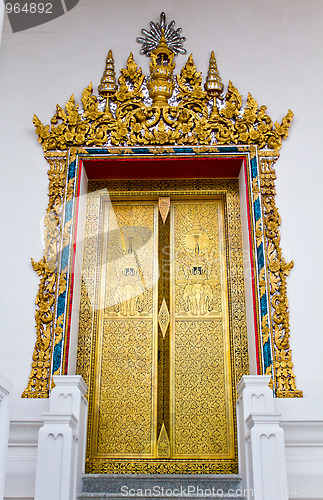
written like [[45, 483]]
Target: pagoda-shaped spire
[[213, 84], [108, 85]]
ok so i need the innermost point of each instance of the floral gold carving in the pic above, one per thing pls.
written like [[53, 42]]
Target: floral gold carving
[[278, 269], [192, 118], [39, 384], [213, 354], [124, 423], [203, 408]]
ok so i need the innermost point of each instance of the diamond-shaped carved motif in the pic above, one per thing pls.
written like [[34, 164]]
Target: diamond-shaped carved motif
[[163, 205], [163, 317]]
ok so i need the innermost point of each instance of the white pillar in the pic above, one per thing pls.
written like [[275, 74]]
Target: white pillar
[[5, 389], [61, 442], [261, 446]]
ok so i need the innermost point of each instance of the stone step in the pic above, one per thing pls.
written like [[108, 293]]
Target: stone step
[[160, 486]]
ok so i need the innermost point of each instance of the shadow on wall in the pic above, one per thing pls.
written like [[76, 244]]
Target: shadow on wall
[[25, 14]]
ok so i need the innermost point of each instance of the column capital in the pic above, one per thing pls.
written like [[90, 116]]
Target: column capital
[[60, 419], [64, 382], [252, 381], [264, 419]]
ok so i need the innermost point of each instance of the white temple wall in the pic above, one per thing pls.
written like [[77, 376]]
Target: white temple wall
[[272, 49], [25, 421], [302, 422], [2, 9]]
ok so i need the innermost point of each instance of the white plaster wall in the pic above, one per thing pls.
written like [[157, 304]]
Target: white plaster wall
[[2, 9], [302, 422], [25, 422], [272, 49]]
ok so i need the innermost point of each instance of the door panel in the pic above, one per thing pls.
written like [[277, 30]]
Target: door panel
[[126, 382], [201, 401]]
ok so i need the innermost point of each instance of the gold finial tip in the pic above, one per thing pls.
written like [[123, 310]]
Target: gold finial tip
[[162, 40], [107, 85], [213, 84]]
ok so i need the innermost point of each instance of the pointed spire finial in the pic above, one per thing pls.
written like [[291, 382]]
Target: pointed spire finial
[[108, 85], [213, 84]]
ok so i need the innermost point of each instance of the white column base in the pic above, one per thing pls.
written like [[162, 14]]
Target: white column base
[[61, 443], [261, 446], [266, 451]]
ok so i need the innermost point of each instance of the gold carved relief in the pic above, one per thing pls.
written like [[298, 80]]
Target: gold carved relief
[[163, 205], [131, 114], [163, 317], [278, 270], [39, 384], [201, 398], [124, 388], [129, 261], [189, 121]]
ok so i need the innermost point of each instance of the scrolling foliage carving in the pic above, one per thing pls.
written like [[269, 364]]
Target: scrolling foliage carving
[[278, 270], [164, 110], [134, 120], [46, 268]]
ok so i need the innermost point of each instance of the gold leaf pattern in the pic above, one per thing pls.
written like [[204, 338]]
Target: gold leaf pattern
[[200, 432], [188, 122], [39, 383], [238, 341], [163, 444], [163, 317], [124, 424], [163, 206]]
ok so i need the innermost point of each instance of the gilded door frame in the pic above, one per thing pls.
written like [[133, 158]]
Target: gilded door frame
[[198, 122]]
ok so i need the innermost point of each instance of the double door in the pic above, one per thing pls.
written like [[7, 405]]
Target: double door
[[162, 376]]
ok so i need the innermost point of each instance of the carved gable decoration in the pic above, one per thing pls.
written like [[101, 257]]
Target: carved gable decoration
[[161, 109], [163, 114]]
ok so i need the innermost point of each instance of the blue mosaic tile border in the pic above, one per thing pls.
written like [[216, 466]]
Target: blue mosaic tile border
[[64, 270]]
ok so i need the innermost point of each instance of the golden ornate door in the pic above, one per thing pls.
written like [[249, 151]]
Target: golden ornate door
[[162, 376]]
